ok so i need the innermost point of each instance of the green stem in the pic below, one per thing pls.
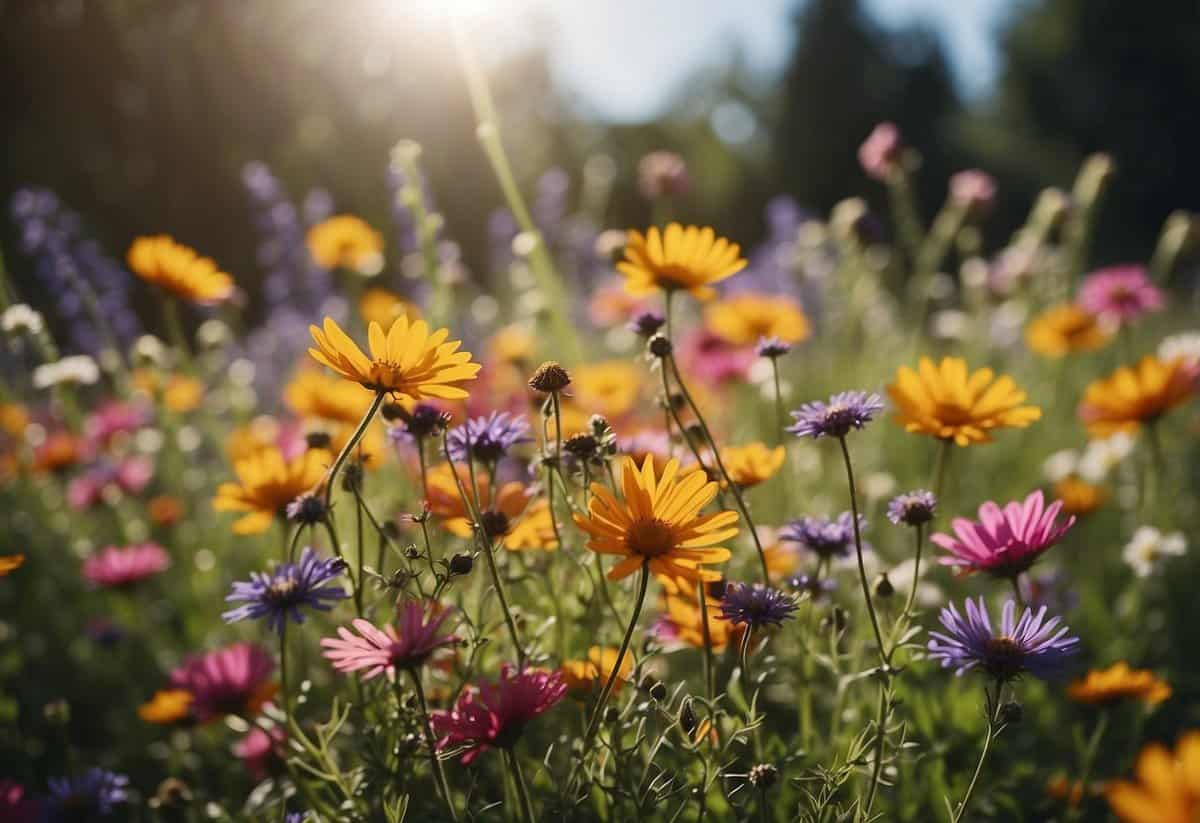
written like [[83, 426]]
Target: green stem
[[349, 447], [598, 713], [780, 417], [862, 569], [710, 686], [1088, 760], [508, 618], [880, 739], [431, 739], [993, 716], [514, 765]]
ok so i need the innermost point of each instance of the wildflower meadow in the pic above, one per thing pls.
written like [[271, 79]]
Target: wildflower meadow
[[873, 520]]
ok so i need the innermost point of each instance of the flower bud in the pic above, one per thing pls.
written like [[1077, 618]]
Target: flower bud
[[494, 523], [763, 776], [317, 440], [883, 587], [660, 346], [461, 564]]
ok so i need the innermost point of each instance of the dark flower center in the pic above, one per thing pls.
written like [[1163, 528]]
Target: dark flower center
[[952, 414], [282, 591], [1004, 658], [650, 538]]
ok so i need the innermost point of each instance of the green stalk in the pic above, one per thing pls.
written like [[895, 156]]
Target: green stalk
[[349, 447], [518, 777], [594, 724], [439, 771]]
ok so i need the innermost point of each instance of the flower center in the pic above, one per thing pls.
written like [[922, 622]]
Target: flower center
[[1005, 657], [952, 414], [282, 590], [650, 538]]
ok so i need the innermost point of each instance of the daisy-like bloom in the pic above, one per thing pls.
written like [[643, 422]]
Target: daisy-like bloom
[[495, 713], [609, 388], [86, 796], [659, 523], [745, 318], [487, 439], [76, 370], [1004, 541], [113, 567], [232, 680], [879, 154], [948, 403], [822, 536], [312, 394], [1079, 496], [287, 591], [9, 563], [585, 675], [406, 362], [771, 348], [168, 706], [404, 646], [114, 419], [177, 269], [646, 324], [752, 463], [267, 483], [176, 392], [1031, 644], [421, 421], [1149, 548], [756, 606], [691, 259], [1184, 346], [1133, 395], [22, 319], [105, 478], [1167, 789], [347, 242], [378, 305], [914, 508], [534, 529], [512, 344], [447, 504], [845, 411], [1066, 329], [1119, 682], [1120, 294], [59, 451]]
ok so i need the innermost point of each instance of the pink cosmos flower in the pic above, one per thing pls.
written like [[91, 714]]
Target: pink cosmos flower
[[1005, 542], [260, 752], [16, 806], [1120, 294], [129, 476], [880, 152], [713, 359], [112, 567], [493, 714], [973, 190], [406, 645], [232, 680], [114, 418]]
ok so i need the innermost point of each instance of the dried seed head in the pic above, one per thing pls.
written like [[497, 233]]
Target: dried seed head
[[550, 377]]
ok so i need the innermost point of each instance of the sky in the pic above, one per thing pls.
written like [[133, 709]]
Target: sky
[[624, 59]]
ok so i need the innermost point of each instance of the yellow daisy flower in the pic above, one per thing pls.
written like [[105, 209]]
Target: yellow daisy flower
[[1133, 395], [267, 483], [744, 319], [1167, 789], [534, 529], [179, 270], [691, 259], [1065, 329], [176, 392], [610, 388], [659, 523], [1079, 496], [511, 344], [1119, 682], [948, 403], [166, 707], [511, 501], [250, 438], [379, 305], [346, 242], [408, 361], [9, 563], [313, 394], [752, 463], [585, 675]]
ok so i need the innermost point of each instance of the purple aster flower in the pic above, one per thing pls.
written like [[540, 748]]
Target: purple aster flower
[[772, 348], [646, 324], [282, 593], [755, 605], [822, 536], [423, 421], [845, 411], [914, 508], [488, 438], [1031, 644], [306, 509], [86, 796]]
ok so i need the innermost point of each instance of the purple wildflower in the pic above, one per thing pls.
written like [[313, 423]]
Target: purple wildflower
[[423, 421], [94, 793], [282, 593], [816, 587], [1031, 644], [488, 438], [844, 411], [772, 348], [822, 536], [756, 605], [646, 324], [914, 508]]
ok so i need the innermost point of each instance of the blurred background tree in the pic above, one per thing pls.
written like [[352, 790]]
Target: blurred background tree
[[141, 115]]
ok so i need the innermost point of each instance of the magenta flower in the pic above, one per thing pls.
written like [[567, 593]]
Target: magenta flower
[[260, 752], [16, 806], [713, 359], [973, 190], [880, 152], [1120, 294], [406, 645], [112, 419], [1004, 542], [113, 567], [494, 714], [129, 476], [232, 680]]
